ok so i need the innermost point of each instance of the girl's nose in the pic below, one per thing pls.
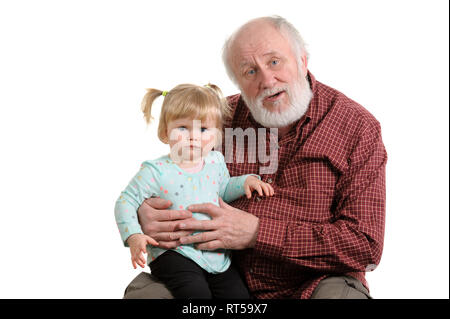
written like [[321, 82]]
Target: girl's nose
[[195, 135]]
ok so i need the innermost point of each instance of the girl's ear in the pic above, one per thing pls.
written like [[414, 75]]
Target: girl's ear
[[163, 138]]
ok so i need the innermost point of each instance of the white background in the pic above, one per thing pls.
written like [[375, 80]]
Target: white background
[[72, 75]]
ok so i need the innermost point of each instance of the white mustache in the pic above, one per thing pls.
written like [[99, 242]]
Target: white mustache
[[270, 92], [299, 95]]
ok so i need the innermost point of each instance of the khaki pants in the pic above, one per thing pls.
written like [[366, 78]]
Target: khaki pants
[[340, 287], [146, 286]]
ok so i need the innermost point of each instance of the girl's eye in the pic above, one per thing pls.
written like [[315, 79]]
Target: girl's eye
[[203, 129], [182, 128]]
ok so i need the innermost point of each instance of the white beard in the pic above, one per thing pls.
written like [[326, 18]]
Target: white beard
[[300, 94]]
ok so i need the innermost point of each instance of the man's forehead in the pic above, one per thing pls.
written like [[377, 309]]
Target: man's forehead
[[244, 60]]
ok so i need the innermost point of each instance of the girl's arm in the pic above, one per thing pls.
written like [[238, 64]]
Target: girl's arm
[[125, 211]]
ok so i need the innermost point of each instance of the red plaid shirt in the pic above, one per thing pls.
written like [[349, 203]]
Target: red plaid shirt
[[327, 214]]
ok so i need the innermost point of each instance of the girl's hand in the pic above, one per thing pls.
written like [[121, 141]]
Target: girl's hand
[[253, 183], [138, 245]]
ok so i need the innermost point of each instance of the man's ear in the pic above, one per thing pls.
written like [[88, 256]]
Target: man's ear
[[304, 64]]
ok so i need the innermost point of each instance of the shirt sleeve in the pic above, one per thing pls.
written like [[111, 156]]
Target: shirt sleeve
[[353, 240], [231, 188], [142, 186]]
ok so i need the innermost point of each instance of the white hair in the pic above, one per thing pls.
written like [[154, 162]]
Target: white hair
[[285, 27]]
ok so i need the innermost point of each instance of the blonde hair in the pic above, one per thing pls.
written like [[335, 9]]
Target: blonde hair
[[187, 101]]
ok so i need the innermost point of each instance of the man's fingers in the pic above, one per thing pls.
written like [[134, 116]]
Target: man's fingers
[[158, 203], [199, 238], [162, 213], [207, 208], [169, 244], [210, 245], [163, 228], [198, 225], [168, 215], [171, 236]]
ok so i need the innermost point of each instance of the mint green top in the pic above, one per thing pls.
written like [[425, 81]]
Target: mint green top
[[163, 178]]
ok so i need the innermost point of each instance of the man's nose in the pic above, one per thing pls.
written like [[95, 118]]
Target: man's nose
[[267, 79]]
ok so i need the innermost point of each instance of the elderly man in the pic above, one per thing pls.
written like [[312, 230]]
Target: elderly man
[[324, 227]]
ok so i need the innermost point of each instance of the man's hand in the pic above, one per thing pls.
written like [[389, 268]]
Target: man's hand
[[230, 228], [160, 223]]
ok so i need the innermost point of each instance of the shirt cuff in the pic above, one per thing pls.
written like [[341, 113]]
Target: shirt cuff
[[271, 238], [257, 176], [126, 230]]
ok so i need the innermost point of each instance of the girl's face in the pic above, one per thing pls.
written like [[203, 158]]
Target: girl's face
[[191, 139]]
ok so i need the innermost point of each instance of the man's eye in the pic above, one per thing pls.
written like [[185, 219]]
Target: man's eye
[[275, 62], [251, 72]]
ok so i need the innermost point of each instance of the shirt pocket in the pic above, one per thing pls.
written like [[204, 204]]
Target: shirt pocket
[[309, 174], [313, 205]]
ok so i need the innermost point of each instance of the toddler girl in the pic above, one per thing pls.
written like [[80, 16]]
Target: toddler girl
[[190, 122]]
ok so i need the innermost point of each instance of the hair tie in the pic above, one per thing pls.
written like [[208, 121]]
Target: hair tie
[[164, 93]]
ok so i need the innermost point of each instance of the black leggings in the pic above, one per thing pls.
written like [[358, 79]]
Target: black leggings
[[187, 280]]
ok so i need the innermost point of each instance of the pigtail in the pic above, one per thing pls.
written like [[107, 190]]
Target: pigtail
[[215, 88], [224, 106], [147, 102]]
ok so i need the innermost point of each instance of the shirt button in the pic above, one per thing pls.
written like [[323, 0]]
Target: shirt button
[[258, 199], [251, 270], [269, 180]]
